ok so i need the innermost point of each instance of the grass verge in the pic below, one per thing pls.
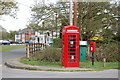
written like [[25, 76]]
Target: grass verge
[[39, 63], [97, 66], [10, 47]]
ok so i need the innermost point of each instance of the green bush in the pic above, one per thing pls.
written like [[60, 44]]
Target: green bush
[[57, 43], [108, 51], [50, 54]]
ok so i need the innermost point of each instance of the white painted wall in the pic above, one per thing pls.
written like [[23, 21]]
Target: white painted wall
[[23, 37], [17, 37], [42, 39]]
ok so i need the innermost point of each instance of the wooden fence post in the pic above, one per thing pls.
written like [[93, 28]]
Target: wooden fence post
[[28, 51], [42, 46], [32, 48], [104, 61]]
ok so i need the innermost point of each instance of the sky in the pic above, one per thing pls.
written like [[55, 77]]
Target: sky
[[23, 16]]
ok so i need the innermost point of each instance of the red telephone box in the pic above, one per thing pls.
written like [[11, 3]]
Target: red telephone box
[[70, 48], [92, 46]]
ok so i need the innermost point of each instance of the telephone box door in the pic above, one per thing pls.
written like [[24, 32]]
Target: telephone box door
[[73, 50]]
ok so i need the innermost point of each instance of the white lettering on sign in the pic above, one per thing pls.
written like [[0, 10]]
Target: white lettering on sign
[[72, 42], [72, 57], [91, 48], [72, 30]]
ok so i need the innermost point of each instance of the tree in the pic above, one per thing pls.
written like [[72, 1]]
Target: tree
[[8, 7], [3, 35], [94, 17], [54, 16], [11, 35]]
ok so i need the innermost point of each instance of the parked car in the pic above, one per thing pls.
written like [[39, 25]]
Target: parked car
[[28, 41], [19, 42], [11, 41], [6, 42]]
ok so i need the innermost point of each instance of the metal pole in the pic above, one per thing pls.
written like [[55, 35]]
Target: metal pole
[[92, 58], [71, 14], [75, 13]]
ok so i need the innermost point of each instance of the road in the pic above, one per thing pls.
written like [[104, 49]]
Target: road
[[17, 73]]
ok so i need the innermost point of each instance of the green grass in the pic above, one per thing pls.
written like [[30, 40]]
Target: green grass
[[97, 66], [10, 47], [38, 63]]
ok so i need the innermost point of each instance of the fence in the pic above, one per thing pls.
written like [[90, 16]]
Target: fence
[[32, 48]]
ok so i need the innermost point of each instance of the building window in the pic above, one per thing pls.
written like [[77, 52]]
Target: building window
[[17, 36]]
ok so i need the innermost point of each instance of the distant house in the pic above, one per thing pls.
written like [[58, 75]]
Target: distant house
[[36, 36], [25, 34]]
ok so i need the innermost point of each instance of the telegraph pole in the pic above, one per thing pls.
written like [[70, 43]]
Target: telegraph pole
[[75, 13], [71, 14], [56, 24], [73, 21]]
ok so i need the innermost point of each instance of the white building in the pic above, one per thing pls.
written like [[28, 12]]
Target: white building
[[43, 38], [36, 37]]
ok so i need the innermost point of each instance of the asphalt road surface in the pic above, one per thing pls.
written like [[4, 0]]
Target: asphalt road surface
[[17, 73]]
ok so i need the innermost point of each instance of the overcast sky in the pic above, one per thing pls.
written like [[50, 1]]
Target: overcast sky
[[23, 16]]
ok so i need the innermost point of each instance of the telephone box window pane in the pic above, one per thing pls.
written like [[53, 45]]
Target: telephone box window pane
[[71, 46], [71, 42], [72, 39], [71, 35], [71, 49], [72, 57], [71, 53], [74, 60], [70, 61]]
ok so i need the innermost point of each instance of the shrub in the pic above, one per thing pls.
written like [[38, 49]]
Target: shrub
[[108, 51], [50, 54], [57, 43]]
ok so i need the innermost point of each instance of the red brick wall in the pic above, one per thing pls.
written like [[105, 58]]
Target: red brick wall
[[27, 37]]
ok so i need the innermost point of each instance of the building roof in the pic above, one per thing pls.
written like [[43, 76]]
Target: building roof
[[26, 31]]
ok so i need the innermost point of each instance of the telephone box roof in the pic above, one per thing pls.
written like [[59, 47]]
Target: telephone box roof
[[70, 27]]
